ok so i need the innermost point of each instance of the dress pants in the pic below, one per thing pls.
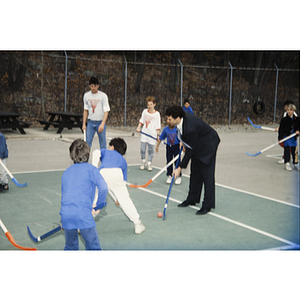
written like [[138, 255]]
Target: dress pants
[[202, 174]]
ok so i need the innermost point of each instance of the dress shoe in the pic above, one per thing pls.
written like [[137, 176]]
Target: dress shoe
[[203, 211], [185, 203]]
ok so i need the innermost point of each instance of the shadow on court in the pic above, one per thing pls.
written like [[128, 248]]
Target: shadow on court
[[241, 221]]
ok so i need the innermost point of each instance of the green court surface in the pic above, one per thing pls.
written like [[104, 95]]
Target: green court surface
[[241, 220]]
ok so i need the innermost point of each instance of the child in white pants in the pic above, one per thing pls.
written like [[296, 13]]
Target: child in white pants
[[113, 169]]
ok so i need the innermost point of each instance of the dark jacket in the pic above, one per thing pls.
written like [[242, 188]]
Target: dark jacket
[[288, 126], [202, 138]]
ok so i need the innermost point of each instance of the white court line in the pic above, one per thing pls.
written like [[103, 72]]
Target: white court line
[[245, 192], [257, 195], [229, 220], [221, 185]]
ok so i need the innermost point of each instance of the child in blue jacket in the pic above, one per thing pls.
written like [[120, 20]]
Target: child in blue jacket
[[3, 157], [78, 185], [172, 149]]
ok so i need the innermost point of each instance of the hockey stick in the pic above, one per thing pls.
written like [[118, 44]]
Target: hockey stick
[[281, 141], [11, 176], [261, 127], [84, 135], [170, 188], [150, 136], [156, 175], [11, 239], [39, 238]]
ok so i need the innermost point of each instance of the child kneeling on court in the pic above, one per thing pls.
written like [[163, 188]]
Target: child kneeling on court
[[3, 157], [78, 186], [113, 168]]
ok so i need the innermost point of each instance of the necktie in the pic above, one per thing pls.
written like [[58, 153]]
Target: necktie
[[180, 139]]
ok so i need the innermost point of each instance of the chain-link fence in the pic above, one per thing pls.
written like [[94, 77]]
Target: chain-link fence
[[217, 94]]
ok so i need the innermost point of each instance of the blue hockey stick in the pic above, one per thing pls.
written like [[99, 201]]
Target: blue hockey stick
[[11, 176], [150, 136], [38, 239], [170, 188], [260, 127], [283, 140]]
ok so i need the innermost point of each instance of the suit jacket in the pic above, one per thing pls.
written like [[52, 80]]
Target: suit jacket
[[202, 138]]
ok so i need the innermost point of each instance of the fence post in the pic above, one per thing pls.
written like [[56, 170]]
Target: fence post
[[66, 68], [277, 70], [230, 95], [181, 81], [125, 90]]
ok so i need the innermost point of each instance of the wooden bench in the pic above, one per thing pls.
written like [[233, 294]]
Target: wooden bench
[[11, 120], [48, 123], [24, 124], [61, 120]]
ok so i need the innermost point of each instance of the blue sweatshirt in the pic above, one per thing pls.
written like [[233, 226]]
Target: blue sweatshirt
[[78, 184], [3, 147], [113, 159], [189, 109], [171, 135]]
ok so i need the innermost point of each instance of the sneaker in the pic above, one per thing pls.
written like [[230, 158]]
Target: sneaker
[[178, 180], [297, 167], [142, 167], [169, 179], [281, 161], [288, 167], [149, 166], [139, 227]]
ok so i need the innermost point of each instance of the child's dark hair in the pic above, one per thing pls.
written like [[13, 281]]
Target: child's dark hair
[[175, 112], [186, 101], [119, 145], [288, 102], [79, 151], [94, 80]]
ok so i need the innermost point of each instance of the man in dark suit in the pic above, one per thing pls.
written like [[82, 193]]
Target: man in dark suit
[[200, 142]]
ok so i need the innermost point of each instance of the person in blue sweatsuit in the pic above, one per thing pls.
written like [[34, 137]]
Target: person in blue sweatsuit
[[3, 157], [78, 186]]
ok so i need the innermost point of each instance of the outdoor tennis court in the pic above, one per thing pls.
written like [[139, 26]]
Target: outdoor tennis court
[[257, 208], [241, 221]]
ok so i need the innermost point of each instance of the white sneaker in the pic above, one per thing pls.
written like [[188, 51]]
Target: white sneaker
[[142, 167], [178, 180], [297, 167], [149, 166], [169, 179], [288, 167], [139, 228], [281, 161]]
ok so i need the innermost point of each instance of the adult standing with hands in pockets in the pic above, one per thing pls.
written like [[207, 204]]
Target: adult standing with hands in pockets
[[201, 143]]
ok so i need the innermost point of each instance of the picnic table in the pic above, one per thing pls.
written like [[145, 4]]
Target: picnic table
[[61, 120], [11, 120]]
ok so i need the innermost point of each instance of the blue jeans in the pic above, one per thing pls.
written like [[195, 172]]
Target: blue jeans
[[92, 127], [89, 235]]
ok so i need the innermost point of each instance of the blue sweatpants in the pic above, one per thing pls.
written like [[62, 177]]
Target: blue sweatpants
[[89, 235]]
